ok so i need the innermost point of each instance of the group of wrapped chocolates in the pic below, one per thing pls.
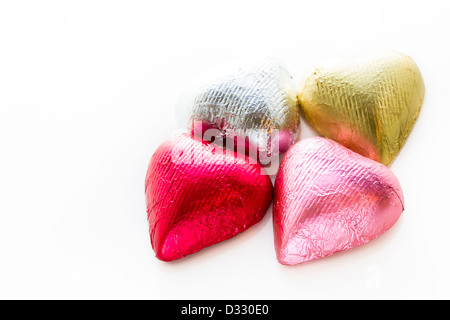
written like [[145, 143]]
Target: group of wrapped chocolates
[[330, 193]]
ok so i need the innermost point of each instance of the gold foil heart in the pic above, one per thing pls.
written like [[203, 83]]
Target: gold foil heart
[[368, 103]]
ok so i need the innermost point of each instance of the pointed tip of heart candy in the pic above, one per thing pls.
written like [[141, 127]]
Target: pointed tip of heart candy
[[328, 199], [198, 195]]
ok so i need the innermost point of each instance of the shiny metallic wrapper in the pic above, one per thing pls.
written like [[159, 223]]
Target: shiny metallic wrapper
[[328, 199], [197, 196], [254, 103], [369, 103]]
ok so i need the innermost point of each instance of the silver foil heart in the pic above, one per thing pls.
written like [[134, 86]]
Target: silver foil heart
[[255, 104]]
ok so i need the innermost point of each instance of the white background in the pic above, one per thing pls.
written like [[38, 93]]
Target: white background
[[87, 93]]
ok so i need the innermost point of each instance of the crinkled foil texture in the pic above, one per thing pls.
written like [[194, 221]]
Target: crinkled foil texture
[[369, 103], [197, 196], [328, 198], [256, 102]]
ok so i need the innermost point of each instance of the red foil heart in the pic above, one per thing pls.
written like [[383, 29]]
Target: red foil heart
[[328, 198], [198, 195]]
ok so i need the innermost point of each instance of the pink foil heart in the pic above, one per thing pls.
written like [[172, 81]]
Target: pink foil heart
[[328, 198], [198, 195]]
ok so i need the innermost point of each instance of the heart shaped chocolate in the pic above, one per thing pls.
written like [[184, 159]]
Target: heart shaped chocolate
[[255, 102], [328, 198], [368, 103], [198, 195]]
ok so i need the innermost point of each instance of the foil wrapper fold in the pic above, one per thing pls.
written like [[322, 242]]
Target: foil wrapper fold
[[198, 195], [328, 199], [252, 102], [368, 103]]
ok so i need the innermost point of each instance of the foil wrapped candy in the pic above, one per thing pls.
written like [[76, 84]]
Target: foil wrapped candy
[[328, 199], [198, 195], [368, 103], [250, 106]]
